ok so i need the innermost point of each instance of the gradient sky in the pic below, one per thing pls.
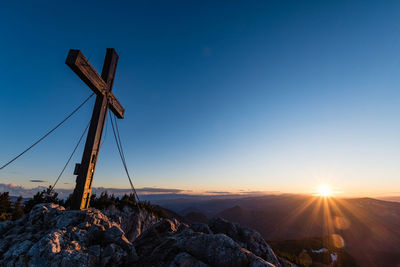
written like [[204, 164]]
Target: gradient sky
[[234, 95]]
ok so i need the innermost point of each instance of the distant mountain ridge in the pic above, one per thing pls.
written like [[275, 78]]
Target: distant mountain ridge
[[370, 228]]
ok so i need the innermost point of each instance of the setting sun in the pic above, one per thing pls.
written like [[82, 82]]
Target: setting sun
[[324, 190]]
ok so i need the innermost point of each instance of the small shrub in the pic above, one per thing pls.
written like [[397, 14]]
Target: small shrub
[[45, 196]]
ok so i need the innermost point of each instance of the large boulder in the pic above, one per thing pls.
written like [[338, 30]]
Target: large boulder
[[133, 223], [247, 238]]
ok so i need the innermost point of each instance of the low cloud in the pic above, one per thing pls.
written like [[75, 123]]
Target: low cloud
[[17, 190], [37, 181], [159, 190], [145, 193]]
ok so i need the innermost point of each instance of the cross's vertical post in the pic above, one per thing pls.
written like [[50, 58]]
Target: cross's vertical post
[[102, 86]]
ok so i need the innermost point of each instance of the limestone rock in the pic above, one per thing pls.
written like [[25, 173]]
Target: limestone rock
[[167, 244], [247, 238], [52, 236]]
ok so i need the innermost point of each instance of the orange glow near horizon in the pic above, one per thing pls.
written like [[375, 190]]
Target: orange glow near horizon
[[322, 215], [339, 221]]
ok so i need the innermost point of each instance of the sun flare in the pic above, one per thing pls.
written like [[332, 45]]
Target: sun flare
[[324, 190]]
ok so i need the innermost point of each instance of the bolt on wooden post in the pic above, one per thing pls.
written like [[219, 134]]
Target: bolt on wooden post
[[105, 99]]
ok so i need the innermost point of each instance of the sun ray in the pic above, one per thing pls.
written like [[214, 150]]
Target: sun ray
[[296, 213]]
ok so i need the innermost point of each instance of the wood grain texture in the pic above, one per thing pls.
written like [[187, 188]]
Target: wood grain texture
[[81, 66], [115, 106]]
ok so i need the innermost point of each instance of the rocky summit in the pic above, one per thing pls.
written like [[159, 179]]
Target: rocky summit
[[53, 236]]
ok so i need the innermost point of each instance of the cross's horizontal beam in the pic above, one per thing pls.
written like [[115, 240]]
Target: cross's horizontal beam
[[115, 106], [81, 66]]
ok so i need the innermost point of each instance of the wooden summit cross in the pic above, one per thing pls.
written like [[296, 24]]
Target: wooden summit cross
[[102, 86]]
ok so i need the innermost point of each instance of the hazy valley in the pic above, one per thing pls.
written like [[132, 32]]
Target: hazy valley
[[367, 228]]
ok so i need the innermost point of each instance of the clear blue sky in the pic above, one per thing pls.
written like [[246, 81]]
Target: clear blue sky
[[228, 95]]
